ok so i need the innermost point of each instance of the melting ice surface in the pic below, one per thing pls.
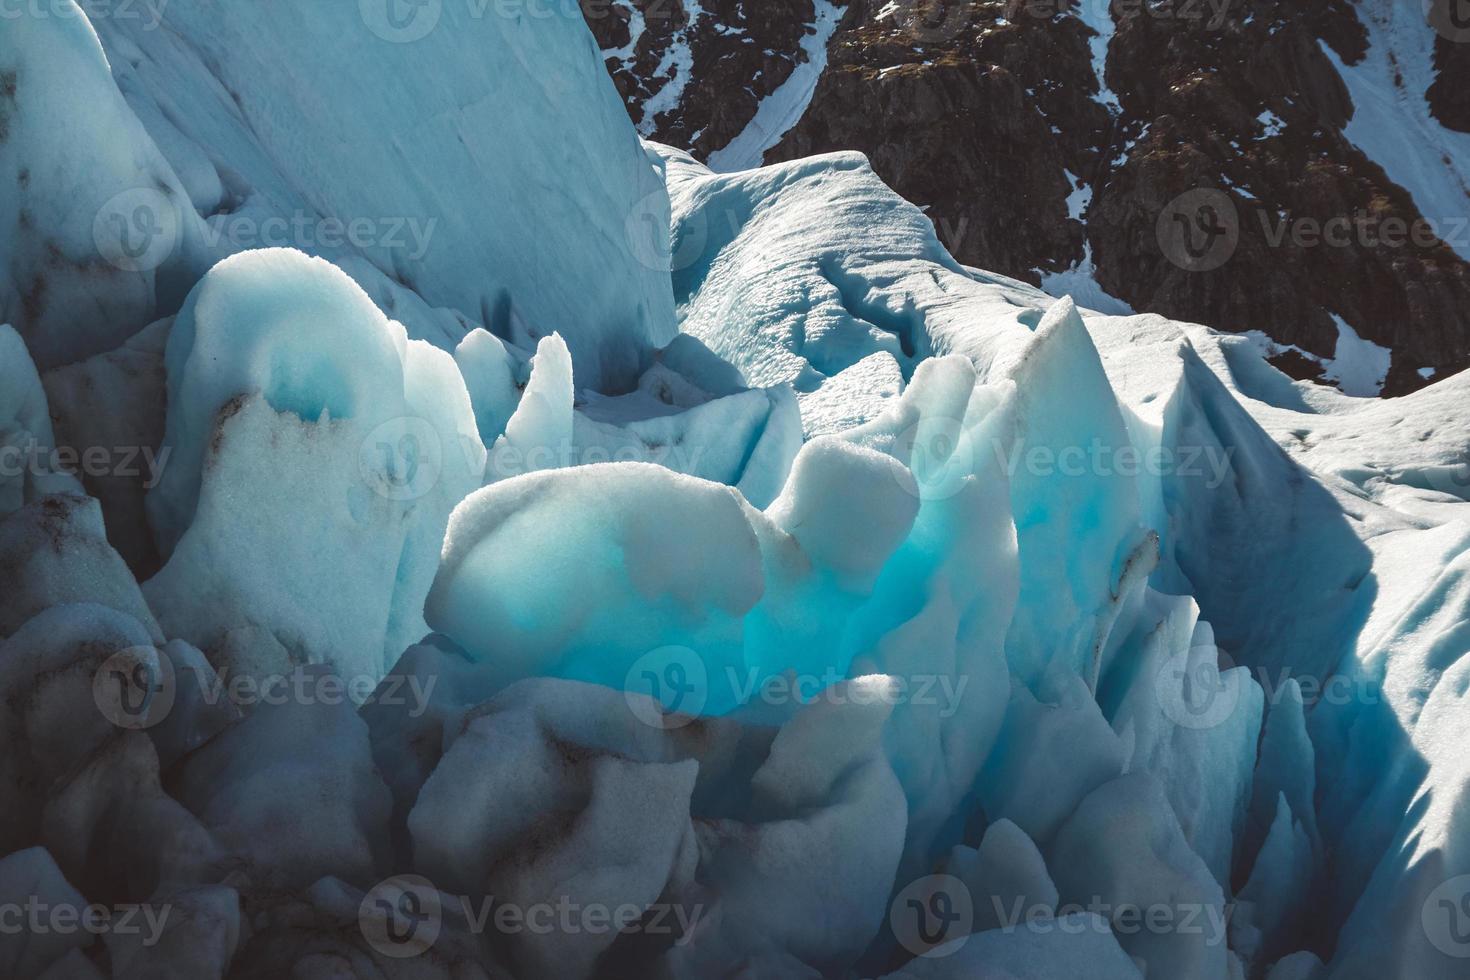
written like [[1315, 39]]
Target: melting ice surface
[[591, 531]]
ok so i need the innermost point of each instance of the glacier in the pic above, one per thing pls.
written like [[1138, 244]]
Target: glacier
[[603, 566]]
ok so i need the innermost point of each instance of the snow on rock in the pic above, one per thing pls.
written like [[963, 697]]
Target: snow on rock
[[1392, 122], [1359, 367], [783, 108], [379, 444]]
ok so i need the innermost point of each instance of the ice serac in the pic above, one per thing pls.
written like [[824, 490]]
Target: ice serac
[[462, 196], [672, 814], [289, 392], [96, 232], [25, 429], [615, 574]]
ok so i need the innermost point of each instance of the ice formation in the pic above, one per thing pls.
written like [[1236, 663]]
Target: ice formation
[[662, 572]]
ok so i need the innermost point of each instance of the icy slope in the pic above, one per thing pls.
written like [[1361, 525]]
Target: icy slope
[[413, 174], [891, 619]]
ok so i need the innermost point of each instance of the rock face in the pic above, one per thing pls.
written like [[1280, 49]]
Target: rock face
[[1194, 158]]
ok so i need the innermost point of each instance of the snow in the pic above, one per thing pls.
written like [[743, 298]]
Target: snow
[[1359, 367], [1080, 281], [783, 108], [277, 356], [1099, 16], [262, 103], [1392, 123], [676, 67]]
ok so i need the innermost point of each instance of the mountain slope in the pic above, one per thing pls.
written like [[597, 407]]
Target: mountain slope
[[1289, 168]]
